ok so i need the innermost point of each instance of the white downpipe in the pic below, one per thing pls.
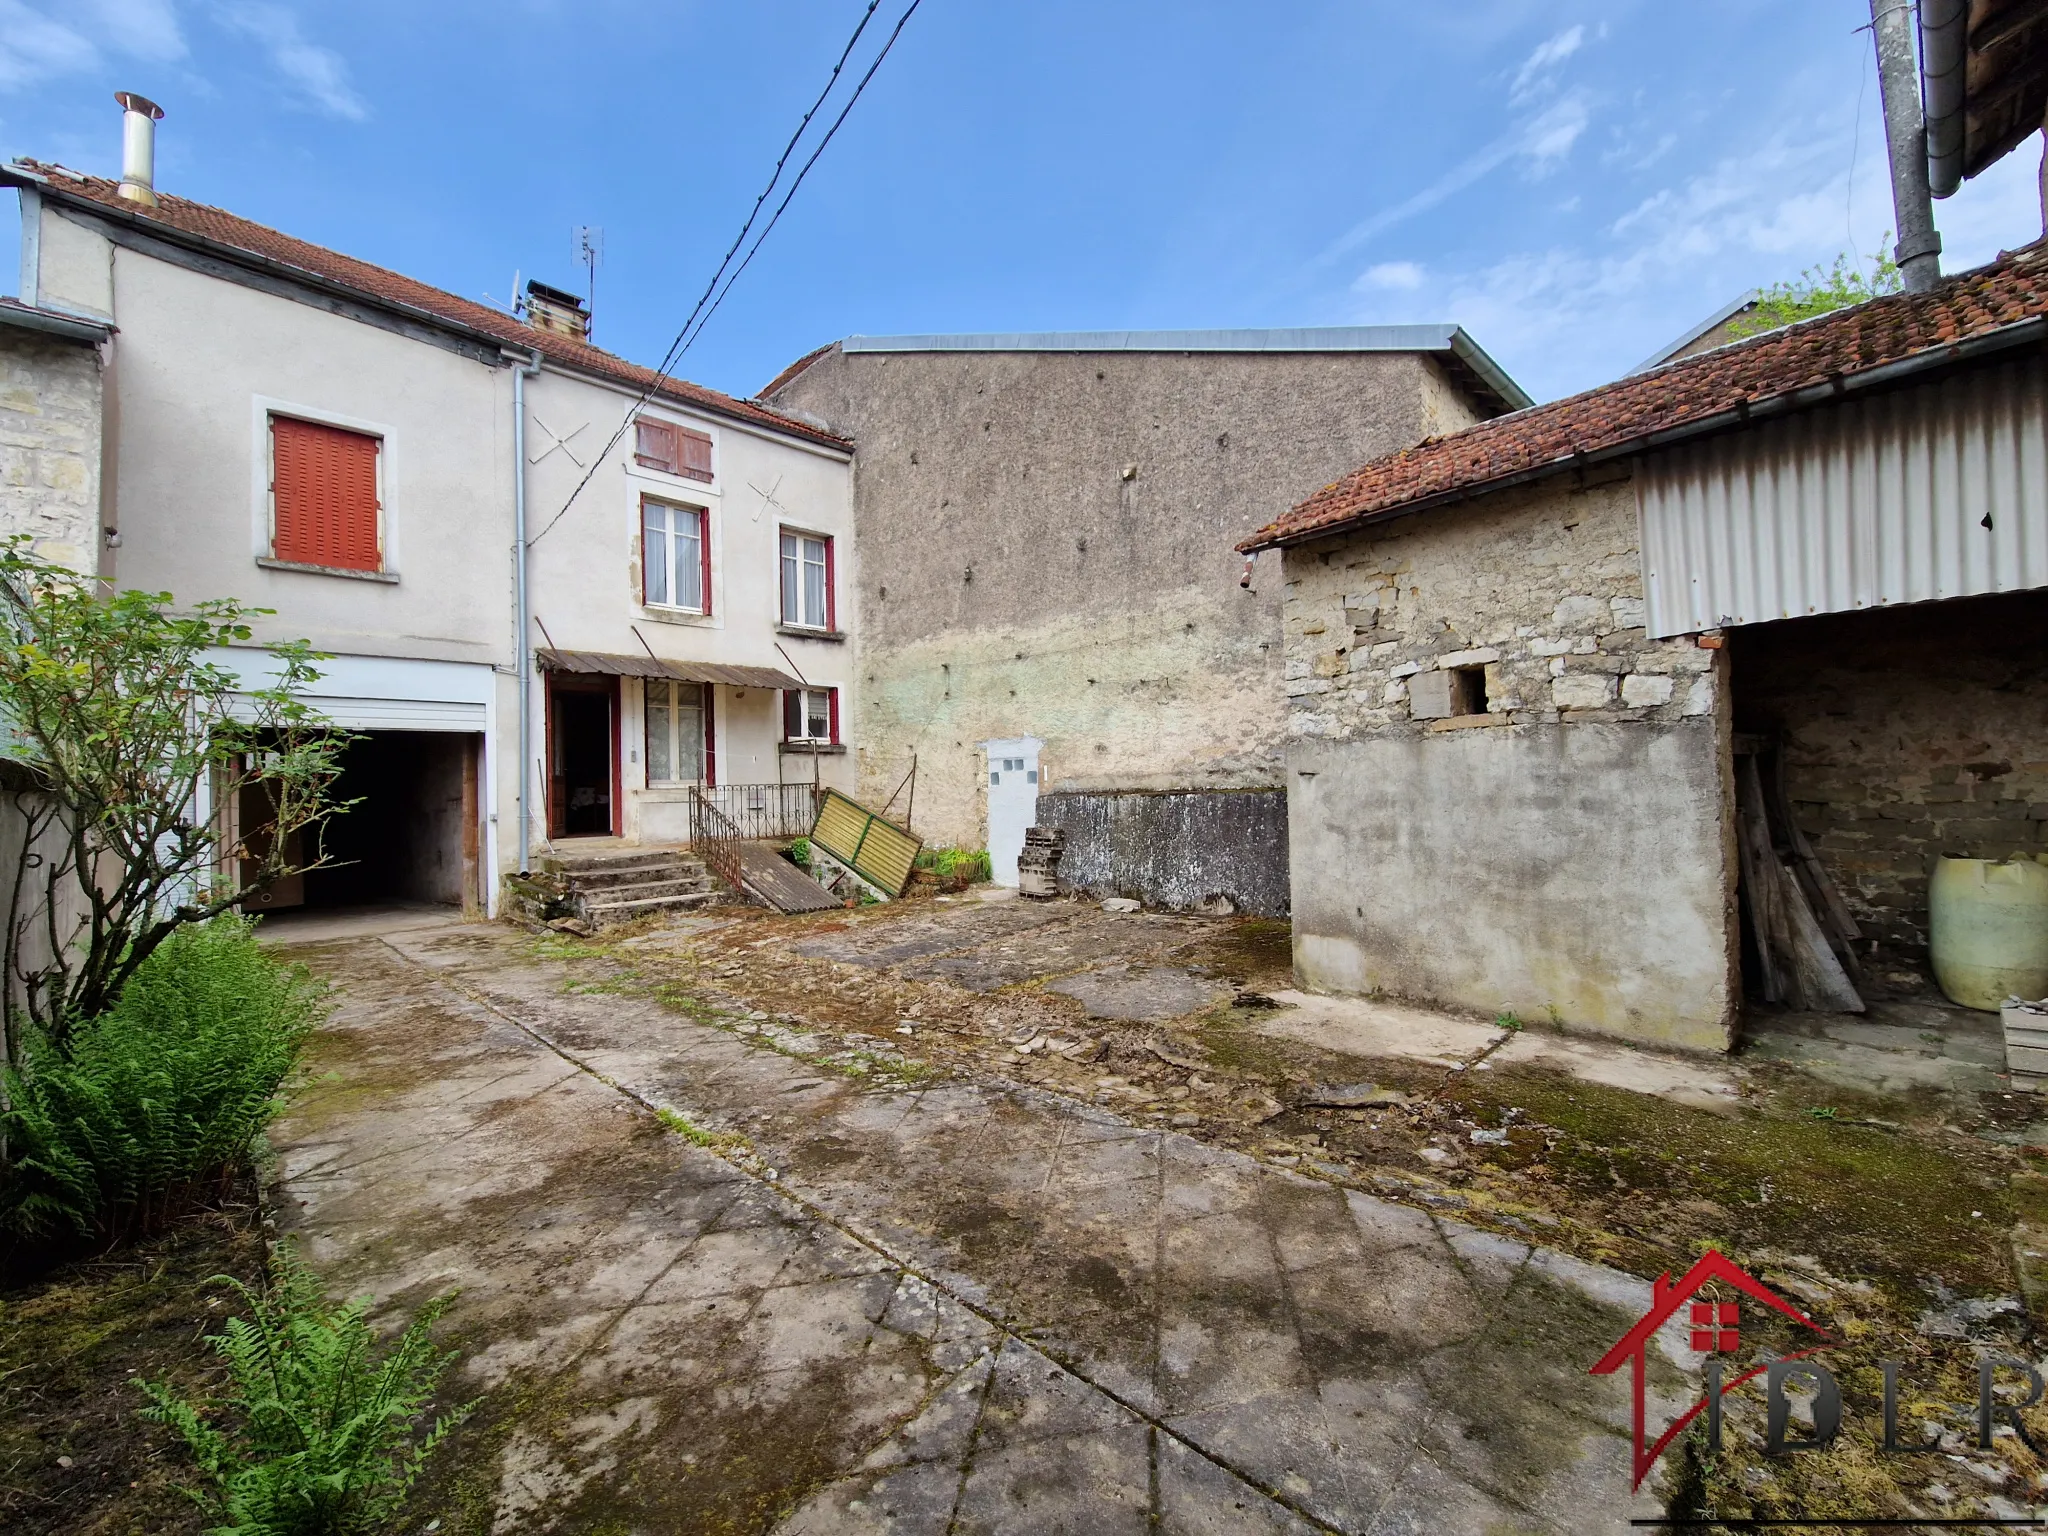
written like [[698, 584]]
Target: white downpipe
[[522, 371]]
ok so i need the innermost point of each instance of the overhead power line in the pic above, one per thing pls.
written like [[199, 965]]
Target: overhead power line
[[714, 294]]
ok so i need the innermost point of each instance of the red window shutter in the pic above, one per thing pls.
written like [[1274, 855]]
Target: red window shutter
[[832, 617], [654, 445], [696, 454], [704, 554], [832, 701], [792, 714], [324, 496]]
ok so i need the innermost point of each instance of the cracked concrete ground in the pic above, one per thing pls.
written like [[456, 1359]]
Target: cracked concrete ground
[[960, 1307]]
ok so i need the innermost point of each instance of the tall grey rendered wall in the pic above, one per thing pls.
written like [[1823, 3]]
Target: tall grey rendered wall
[[1565, 854], [1181, 850], [1045, 545]]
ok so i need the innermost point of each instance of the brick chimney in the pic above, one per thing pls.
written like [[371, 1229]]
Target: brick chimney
[[557, 310]]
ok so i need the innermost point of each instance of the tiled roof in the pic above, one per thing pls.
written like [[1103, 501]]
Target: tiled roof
[[215, 227], [1697, 393]]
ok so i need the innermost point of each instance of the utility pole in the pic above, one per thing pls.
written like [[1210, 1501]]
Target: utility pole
[[1918, 252]]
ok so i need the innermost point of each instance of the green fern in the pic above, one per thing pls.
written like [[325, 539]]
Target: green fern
[[157, 1102], [318, 1435]]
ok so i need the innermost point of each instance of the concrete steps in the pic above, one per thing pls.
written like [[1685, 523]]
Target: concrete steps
[[617, 886]]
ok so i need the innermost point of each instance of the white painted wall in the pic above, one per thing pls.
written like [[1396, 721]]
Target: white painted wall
[[586, 580], [200, 364]]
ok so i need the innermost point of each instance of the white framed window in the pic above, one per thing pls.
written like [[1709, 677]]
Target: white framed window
[[807, 580], [810, 716], [675, 732], [675, 556]]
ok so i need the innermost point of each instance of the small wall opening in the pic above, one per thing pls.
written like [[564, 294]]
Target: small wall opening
[[1468, 690]]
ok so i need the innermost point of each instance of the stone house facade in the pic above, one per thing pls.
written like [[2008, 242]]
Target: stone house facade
[[1530, 664], [52, 401], [1053, 626]]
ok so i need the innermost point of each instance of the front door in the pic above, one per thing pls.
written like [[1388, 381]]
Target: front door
[[582, 755], [1012, 802]]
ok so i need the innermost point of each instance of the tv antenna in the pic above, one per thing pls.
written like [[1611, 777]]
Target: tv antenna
[[590, 251]]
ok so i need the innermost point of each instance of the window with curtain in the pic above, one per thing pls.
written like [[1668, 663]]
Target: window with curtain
[[675, 556], [807, 580], [675, 732]]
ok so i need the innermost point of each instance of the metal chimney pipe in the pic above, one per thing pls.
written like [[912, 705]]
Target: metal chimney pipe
[[1918, 252], [138, 147]]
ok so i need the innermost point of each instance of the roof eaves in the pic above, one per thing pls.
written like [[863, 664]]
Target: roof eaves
[[1475, 357], [761, 417], [50, 322], [2019, 333]]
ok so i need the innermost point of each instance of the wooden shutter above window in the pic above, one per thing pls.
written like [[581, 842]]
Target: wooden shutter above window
[[324, 496], [696, 461], [672, 449], [654, 445]]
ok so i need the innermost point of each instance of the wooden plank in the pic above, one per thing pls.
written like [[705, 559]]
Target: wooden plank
[[780, 883]]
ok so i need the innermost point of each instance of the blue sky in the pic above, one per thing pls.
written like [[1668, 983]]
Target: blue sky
[[1574, 183]]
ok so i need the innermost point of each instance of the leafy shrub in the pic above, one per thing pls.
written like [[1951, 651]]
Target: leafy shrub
[[800, 853], [317, 1436], [157, 1101]]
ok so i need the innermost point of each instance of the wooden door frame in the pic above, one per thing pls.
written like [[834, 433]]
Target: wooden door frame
[[584, 682]]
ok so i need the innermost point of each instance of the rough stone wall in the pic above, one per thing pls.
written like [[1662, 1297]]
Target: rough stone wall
[[50, 425], [1045, 549], [1178, 850], [1562, 852], [1907, 733]]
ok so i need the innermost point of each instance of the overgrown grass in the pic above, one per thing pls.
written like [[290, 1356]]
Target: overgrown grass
[[715, 1141], [318, 1435], [157, 1102], [956, 868]]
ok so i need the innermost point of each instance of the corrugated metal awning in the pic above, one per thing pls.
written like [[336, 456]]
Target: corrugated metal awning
[[1924, 493], [609, 665]]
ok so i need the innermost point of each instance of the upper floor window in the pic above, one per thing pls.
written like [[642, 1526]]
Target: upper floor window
[[810, 715], [326, 495], [677, 732], [672, 449], [807, 580], [675, 556]]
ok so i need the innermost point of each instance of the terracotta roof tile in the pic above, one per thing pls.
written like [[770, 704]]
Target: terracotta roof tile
[[1549, 438], [220, 228]]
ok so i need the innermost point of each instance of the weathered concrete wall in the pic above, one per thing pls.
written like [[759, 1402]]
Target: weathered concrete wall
[[1179, 849], [50, 434], [1566, 853], [1045, 543], [1908, 733]]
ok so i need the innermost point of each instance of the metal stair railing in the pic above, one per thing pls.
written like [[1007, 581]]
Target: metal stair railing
[[715, 838], [766, 812]]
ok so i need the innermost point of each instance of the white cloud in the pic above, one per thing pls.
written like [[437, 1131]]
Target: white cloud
[[317, 75], [1535, 70], [1401, 276], [35, 47]]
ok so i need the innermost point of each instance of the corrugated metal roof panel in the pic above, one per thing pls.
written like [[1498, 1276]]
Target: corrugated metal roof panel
[[1932, 492], [607, 664]]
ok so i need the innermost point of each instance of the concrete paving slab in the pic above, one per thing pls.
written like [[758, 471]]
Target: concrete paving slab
[[675, 1343], [1359, 1026], [1686, 1080]]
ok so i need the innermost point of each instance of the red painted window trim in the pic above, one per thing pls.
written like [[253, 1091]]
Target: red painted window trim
[[703, 516], [831, 694], [797, 716]]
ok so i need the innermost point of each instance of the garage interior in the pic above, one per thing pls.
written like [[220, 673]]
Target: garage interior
[[412, 835]]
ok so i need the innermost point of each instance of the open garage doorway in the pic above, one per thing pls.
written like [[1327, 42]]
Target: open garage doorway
[[412, 837]]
